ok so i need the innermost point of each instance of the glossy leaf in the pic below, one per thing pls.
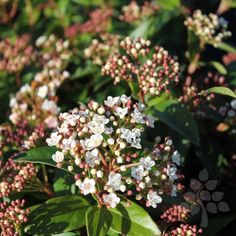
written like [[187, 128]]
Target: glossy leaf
[[171, 113], [132, 221], [98, 221], [220, 90], [57, 215], [219, 67], [41, 155]]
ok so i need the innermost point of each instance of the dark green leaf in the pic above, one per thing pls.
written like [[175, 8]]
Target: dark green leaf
[[41, 155], [132, 221], [177, 117], [98, 221], [57, 215]]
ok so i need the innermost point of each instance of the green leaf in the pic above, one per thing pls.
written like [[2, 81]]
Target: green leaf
[[98, 221], [169, 5], [57, 215], [143, 30], [220, 90], [132, 221], [174, 115], [219, 67], [226, 47], [41, 155]]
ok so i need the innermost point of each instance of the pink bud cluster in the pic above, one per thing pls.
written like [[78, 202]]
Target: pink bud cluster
[[22, 134], [175, 213], [102, 145], [14, 177], [98, 22], [101, 49], [210, 29], [153, 75], [133, 13], [15, 56], [229, 58], [12, 215], [185, 230], [199, 102]]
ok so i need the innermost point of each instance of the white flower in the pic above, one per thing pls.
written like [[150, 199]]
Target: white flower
[[92, 158], [171, 172], [124, 98], [138, 116], [42, 91], [50, 106], [233, 104], [54, 139], [174, 191], [13, 102], [88, 186], [111, 200], [97, 125], [137, 172], [147, 162], [70, 119], [58, 157], [121, 112], [69, 143], [153, 199], [25, 89], [114, 181], [63, 128], [94, 141], [150, 121], [41, 40], [176, 158], [132, 136], [111, 101]]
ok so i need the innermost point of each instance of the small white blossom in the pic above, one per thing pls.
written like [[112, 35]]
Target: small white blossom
[[111, 200], [121, 112], [69, 143], [176, 158], [42, 91], [171, 172], [137, 172], [114, 181], [54, 139], [233, 104], [92, 158], [58, 157], [88, 186], [153, 199], [124, 98], [94, 141], [50, 106], [147, 162], [111, 101]]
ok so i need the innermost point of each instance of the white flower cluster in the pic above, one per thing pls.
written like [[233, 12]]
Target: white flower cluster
[[210, 29], [104, 141], [37, 101]]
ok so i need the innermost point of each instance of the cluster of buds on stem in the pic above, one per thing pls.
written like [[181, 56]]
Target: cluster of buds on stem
[[200, 102], [12, 216], [153, 75], [133, 13], [98, 22], [210, 29], [21, 135], [229, 58], [14, 177], [15, 56], [101, 49], [37, 101], [104, 142], [184, 230], [175, 213]]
